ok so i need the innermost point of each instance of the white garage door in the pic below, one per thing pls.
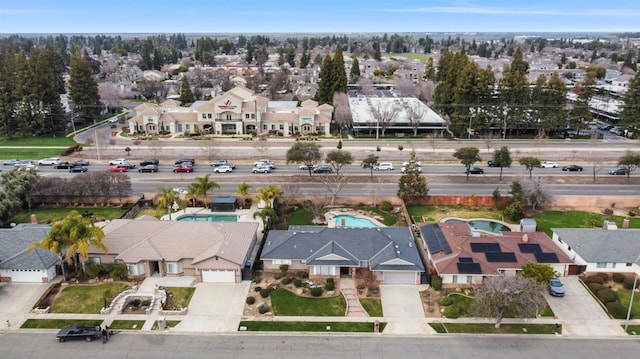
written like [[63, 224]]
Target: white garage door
[[26, 276], [218, 276], [399, 278]]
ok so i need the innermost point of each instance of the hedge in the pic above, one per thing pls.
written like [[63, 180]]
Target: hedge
[[617, 310], [618, 277], [595, 287], [607, 295], [594, 279]]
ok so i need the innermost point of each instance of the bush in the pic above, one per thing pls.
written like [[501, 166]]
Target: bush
[[117, 271], [628, 282], [452, 312], [604, 276], [284, 268], [594, 279], [618, 277], [436, 282], [263, 308], [513, 211], [317, 291], [279, 275], [617, 310], [297, 282], [302, 274], [251, 300], [330, 285], [445, 301], [386, 206], [265, 293], [595, 287], [285, 280], [606, 295], [257, 289], [329, 280]]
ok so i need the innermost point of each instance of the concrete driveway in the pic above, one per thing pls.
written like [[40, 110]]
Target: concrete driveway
[[17, 299], [400, 302], [215, 307]]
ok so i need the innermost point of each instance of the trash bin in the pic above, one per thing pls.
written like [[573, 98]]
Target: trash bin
[[162, 323]]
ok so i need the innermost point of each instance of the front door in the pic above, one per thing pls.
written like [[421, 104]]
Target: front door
[[154, 266]]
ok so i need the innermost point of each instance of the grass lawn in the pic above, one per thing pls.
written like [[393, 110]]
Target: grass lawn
[[489, 328], [170, 324], [633, 329], [286, 303], [457, 305], [411, 56], [30, 141], [58, 323], [624, 295], [547, 312], [373, 306], [577, 219], [181, 296], [389, 220], [29, 153], [49, 214], [436, 213], [127, 324], [151, 212], [86, 298], [301, 217], [262, 326]]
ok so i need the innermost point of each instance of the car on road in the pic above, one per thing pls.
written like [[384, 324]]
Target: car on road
[[76, 169], [474, 171], [150, 161], [383, 166], [307, 167], [80, 163], [217, 163], [117, 168], [266, 163], [223, 169], [49, 161], [490, 163], [183, 167], [619, 171], [406, 163], [548, 164], [26, 165], [129, 165], [322, 169], [78, 331], [261, 169], [11, 162], [62, 165], [180, 190], [117, 161], [148, 168], [404, 169], [556, 288], [192, 161], [572, 168]]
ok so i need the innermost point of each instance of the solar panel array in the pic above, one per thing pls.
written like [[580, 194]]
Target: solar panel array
[[501, 257], [543, 257], [435, 239], [529, 248], [465, 260], [469, 268], [485, 247]]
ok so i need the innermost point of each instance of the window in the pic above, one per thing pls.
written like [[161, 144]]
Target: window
[[281, 127], [174, 267], [629, 264], [204, 115], [187, 127], [282, 261], [94, 260], [605, 265], [135, 269], [228, 117], [253, 115], [208, 115]]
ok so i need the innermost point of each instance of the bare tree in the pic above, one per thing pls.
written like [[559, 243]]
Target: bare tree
[[426, 90], [406, 88], [384, 115], [596, 167], [516, 295], [541, 138], [261, 145], [109, 95], [488, 141], [209, 147], [121, 185], [433, 140], [151, 89], [155, 146], [279, 81], [414, 116], [536, 194], [290, 192], [366, 86], [335, 184], [342, 111]]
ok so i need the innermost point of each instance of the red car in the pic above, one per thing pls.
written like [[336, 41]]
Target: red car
[[118, 168], [183, 168]]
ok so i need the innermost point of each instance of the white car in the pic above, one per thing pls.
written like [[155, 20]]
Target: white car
[[383, 166], [404, 169], [261, 169], [180, 190], [548, 164], [117, 161], [49, 161], [223, 169], [265, 163], [406, 163]]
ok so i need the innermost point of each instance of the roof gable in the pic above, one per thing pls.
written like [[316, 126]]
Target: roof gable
[[14, 243]]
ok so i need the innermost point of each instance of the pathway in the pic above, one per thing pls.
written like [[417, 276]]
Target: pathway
[[350, 293]]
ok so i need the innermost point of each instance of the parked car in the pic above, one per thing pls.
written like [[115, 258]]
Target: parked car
[[619, 171], [572, 168], [148, 168], [185, 160], [150, 161], [80, 163], [383, 166], [49, 161], [117, 168], [217, 163], [223, 169], [556, 288], [474, 171], [322, 169], [183, 167], [404, 169], [78, 331], [117, 161], [10, 162], [548, 164], [62, 165], [78, 169], [261, 169]]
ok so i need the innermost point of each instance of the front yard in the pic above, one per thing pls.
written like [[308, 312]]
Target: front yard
[[86, 299]]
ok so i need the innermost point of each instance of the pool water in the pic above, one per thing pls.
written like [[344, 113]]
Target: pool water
[[207, 218], [485, 225], [351, 221]]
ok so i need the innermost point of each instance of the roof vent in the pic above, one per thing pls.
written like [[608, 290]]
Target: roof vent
[[525, 238]]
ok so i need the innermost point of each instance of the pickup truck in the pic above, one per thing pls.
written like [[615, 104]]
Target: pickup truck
[[78, 331]]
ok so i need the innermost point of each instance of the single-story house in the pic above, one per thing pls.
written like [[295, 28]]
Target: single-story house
[[389, 252], [17, 264], [600, 249], [460, 255], [211, 251]]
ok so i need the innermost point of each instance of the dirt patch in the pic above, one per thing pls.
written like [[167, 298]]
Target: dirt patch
[[430, 298]]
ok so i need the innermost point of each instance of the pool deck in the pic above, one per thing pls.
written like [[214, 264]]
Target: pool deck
[[512, 227], [331, 223]]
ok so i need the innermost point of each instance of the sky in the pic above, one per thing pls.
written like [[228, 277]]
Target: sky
[[317, 16]]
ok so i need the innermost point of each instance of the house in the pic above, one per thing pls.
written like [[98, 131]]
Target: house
[[211, 251], [600, 249], [460, 255], [389, 252], [17, 265]]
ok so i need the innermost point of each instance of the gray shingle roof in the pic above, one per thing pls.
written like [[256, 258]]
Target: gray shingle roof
[[14, 243], [597, 245]]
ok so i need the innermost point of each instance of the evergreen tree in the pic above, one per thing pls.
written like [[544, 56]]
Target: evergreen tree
[[146, 62], [324, 94], [249, 54], [514, 93], [186, 95], [630, 114], [291, 56], [45, 87], [412, 185], [339, 74], [304, 59], [83, 90], [354, 75], [430, 70], [158, 58], [8, 92], [376, 53]]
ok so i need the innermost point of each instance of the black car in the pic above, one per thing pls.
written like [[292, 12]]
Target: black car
[[490, 163], [80, 163], [620, 171], [78, 331], [185, 160], [322, 169], [217, 163], [128, 165], [78, 169], [475, 170], [148, 168], [63, 165], [150, 161], [572, 168]]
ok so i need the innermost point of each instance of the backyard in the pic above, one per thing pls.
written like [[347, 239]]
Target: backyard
[[51, 214]]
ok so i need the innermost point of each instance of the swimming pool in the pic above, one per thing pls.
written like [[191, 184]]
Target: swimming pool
[[483, 224], [351, 221], [207, 218]]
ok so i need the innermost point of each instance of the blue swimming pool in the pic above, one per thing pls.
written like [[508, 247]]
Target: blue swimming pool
[[207, 218], [351, 221], [485, 225]]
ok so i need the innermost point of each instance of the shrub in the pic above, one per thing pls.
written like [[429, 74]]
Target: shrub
[[604, 276], [251, 300], [445, 301], [285, 280], [257, 289], [263, 308], [284, 268], [360, 286], [628, 282], [452, 312], [386, 206], [436, 282], [302, 274], [117, 271], [330, 285], [265, 293], [135, 303], [594, 279], [608, 212], [595, 287], [278, 275], [316, 291], [297, 282], [606, 295], [618, 277], [329, 280], [617, 310]]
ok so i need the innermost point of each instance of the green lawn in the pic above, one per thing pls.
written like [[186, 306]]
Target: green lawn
[[577, 219], [181, 296], [49, 214], [633, 329], [276, 326], [373, 306], [457, 305], [58, 323], [127, 324], [389, 219], [411, 56], [301, 217], [29, 153], [286, 303], [547, 312], [170, 324], [489, 328], [30, 141], [435, 213], [624, 295], [86, 298]]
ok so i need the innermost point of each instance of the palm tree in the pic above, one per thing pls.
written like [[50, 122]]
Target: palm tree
[[267, 194], [55, 242], [165, 198], [264, 214], [243, 189], [192, 192], [204, 185]]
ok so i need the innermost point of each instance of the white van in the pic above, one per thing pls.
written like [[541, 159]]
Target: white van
[[383, 166]]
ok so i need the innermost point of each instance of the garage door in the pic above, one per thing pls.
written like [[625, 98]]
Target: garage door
[[26, 276], [218, 276], [399, 278]]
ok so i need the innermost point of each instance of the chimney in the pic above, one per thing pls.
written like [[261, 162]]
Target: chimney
[[34, 219], [525, 238]]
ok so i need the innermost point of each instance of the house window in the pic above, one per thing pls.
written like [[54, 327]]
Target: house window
[[208, 115], [94, 260], [187, 127], [204, 116], [629, 264], [282, 261], [174, 267], [281, 127], [454, 279], [246, 116], [253, 115], [228, 117], [605, 265], [135, 269]]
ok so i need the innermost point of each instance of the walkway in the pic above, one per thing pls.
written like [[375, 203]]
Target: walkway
[[350, 293]]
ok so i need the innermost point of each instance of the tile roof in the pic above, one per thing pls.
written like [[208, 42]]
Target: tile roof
[[14, 243], [598, 245]]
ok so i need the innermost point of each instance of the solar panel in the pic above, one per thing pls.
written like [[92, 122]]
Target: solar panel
[[435, 239], [501, 257], [465, 260], [469, 268], [529, 248], [547, 257], [485, 247]]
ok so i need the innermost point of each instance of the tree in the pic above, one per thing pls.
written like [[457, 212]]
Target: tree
[[517, 192], [412, 185], [305, 152], [204, 185], [265, 214], [538, 272], [467, 156], [186, 95], [530, 163], [165, 198], [515, 296], [338, 159], [370, 162], [268, 194], [535, 194], [414, 116], [630, 114], [384, 114], [630, 161], [243, 189], [83, 89], [502, 158], [496, 196], [354, 74]]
